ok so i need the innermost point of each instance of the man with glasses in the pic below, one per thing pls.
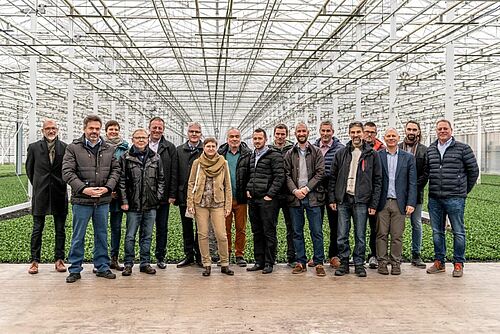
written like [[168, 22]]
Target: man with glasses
[[370, 137], [187, 153], [168, 155], [44, 170]]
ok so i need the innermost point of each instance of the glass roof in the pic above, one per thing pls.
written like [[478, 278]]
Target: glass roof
[[252, 63]]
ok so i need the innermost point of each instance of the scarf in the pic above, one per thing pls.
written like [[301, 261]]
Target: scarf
[[410, 146], [115, 141], [51, 145], [212, 166]]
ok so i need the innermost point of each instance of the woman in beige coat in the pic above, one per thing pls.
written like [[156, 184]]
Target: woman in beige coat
[[209, 200]]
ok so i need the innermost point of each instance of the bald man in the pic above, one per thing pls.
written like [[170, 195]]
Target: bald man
[[44, 170], [398, 198]]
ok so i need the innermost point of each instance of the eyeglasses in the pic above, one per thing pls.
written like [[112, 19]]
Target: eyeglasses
[[140, 138], [194, 131]]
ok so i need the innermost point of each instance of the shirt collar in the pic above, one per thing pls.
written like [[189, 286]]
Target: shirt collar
[[89, 143], [446, 143]]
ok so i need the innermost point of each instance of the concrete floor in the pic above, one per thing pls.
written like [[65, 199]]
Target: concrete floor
[[182, 301]]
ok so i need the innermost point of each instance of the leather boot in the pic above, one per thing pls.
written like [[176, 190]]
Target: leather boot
[[115, 264], [207, 271]]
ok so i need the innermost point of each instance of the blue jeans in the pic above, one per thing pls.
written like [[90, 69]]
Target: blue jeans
[[81, 217], [315, 227], [416, 230], [359, 214], [454, 208], [145, 221], [115, 222]]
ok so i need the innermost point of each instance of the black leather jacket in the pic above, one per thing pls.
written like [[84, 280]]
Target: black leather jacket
[[141, 183]]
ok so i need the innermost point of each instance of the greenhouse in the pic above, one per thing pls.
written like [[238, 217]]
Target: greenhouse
[[222, 66]]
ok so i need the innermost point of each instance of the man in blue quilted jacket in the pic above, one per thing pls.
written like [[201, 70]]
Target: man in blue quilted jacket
[[452, 171]]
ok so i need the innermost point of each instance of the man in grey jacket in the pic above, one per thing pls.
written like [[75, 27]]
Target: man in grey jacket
[[91, 169]]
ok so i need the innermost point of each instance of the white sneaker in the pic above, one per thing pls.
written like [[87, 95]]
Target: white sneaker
[[373, 263]]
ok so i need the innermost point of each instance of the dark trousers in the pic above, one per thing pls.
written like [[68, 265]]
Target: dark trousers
[[36, 237], [190, 236], [372, 220], [161, 222], [333, 222], [263, 221], [282, 204], [115, 223]]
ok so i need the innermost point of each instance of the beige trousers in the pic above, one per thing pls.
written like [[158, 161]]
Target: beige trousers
[[214, 216], [390, 221]]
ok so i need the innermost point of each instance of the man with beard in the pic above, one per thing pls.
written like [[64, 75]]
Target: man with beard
[[283, 145], [354, 190], [187, 153], [329, 145], [266, 179], [370, 137], [44, 170], [304, 170], [168, 155], [412, 144]]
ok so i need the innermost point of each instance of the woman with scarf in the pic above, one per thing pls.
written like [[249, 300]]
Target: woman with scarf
[[113, 137], [209, 200]]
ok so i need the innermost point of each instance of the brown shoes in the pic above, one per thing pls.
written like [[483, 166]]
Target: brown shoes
[[458, 270], [60, 267], [320, 270], [33, 268], [335, 262], [299, 268], [437, 267]]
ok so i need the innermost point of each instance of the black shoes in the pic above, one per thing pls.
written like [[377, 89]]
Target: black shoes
[[106, 274], [226, 270], [359, 270], [73, 277], [185, 262], [161, 265], [267, 269], [127, 271], [240, 261], [343, 269], [148, 270], [416, 261], [114, 264], [207, 271], [256, 267]]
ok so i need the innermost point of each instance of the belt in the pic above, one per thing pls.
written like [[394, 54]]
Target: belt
[[392, 199]]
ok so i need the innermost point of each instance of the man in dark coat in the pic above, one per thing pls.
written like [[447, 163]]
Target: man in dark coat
[[412, 144], [44, 170], [267, 176], [187, 153], [167, 152], [92, 171], [283, 145], [452, 172]]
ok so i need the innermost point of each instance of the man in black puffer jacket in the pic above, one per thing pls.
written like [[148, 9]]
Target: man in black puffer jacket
[[267, 176], [452, 172], [141, 186], [237, 155]]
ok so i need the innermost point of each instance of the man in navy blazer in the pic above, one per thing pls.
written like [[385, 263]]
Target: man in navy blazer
[[397, 199]]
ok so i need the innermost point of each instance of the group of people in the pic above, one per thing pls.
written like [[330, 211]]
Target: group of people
[[363, 181]]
